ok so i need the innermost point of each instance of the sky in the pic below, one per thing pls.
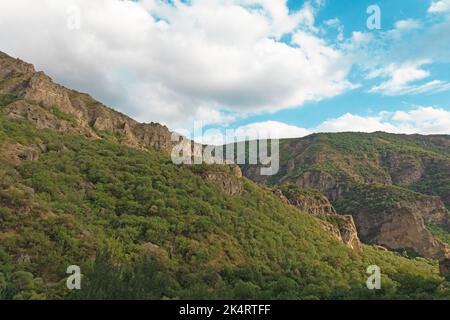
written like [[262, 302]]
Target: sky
[[274, 67]]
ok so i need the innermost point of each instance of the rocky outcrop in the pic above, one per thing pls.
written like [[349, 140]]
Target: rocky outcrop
[[404, 169], [14, 153], [347, 229], [400, 227], [227, 178], [307, 200], [444, 266], [341, 227], [41, 118], [329, 185], [37, 95], [433, 211]]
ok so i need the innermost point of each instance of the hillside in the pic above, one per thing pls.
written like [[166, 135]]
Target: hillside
[[396, 187], [84, 185]]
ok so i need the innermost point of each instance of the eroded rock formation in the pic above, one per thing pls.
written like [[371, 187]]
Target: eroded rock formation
[[48, 105], [342, 227]]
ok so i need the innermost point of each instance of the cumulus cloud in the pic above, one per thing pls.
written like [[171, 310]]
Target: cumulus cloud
[[408, 24], [402, 79], [170, 61], [403, 56], [419, 120], [438, 6]]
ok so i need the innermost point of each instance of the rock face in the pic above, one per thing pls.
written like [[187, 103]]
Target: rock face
[[348, 231], [444, 266], [14, 152], [315, 205], [404, 169], [342, 227], [227, 178], [49, 105], [308, 200], [401, 227], [323, 182]]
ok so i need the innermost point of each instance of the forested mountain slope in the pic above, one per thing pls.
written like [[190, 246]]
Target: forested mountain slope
[[397, 187], [83, 185]]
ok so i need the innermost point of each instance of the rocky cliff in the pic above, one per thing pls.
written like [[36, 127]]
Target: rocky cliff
[[49, 105], [311, 201], [227, 178]]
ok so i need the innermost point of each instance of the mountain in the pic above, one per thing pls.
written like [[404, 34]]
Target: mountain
[[396, 187], [33, 96], [83, 185]]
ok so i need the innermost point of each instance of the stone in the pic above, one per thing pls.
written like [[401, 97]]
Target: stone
[[229, 183], [24, 259], [444, 267], [341, 227], [401, 227]]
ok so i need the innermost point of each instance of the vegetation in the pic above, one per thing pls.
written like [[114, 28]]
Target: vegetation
[[440, 233], [374, 197], [6, 99], [142, 228]]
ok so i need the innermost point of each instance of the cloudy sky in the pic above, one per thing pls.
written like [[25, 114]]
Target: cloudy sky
[[289, 67]]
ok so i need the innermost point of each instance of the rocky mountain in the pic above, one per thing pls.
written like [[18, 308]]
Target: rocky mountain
[[394, 186], [81, 184], [311, 201], [38, 99]]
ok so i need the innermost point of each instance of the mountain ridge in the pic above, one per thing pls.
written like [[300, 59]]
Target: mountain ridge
[[81, 184]]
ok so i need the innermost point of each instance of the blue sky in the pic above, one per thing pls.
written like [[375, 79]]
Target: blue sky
[[353, 17], [290, 68]]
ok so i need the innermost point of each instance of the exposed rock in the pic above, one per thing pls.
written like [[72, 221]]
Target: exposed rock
[[444, 267], [405, 169], [307, 200], [331, 229], [30, 155], [41, 89], [433, 211], [349, 234], [24, 259], [398, 228], [15, 153], [237, 171], [280, 195], [37, 94], [229, 182], [323, 182], [150, 247], [341, 227]]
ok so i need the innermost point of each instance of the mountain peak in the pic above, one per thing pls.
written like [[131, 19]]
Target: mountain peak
[[38, 98]]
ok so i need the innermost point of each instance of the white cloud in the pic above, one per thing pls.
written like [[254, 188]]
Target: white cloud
[[402, 79], [408, 24], [420, 120], [252, 131], [438, 6], [355, 123], [336, 24], [169, 61]]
